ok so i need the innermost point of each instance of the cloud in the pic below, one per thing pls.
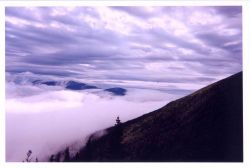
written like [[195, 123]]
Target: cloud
[[56, 118], [229, 11], [141, 12], [114, 39]]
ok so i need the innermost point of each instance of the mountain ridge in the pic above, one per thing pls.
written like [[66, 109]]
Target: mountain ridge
[[205, 126], [76, 86]]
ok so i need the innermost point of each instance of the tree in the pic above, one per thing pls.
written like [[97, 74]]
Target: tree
[[52, 158], [115, 141], [28, 157], [57, 157], [118, 121], [66, 155]]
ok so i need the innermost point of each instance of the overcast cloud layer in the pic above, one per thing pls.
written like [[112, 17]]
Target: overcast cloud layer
[[172, 45]]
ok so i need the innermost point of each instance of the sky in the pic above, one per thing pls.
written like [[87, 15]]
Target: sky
[[174, 47], [158, 54]]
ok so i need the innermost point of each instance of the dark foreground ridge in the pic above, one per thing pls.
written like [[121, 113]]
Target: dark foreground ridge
[[206, 126]]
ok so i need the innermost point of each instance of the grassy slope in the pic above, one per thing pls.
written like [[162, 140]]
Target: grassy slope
[[204, 126]]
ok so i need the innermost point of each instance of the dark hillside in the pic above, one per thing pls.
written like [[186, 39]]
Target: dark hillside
[[204, 126]]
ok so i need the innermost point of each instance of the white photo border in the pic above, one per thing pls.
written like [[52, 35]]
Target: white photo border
[[246, 82]]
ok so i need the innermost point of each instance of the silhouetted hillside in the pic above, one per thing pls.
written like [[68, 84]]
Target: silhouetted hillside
[[117, 91], [204, 126], [72, 85]]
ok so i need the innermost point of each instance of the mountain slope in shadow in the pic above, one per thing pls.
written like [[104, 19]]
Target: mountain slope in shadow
[[206, 126]]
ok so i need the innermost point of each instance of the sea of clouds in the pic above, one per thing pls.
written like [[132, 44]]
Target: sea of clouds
[[47, 119]]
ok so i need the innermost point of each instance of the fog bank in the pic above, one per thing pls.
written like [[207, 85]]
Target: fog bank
[[46, 119]]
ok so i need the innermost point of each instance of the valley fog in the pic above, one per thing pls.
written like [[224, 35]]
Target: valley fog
[[46, 119]]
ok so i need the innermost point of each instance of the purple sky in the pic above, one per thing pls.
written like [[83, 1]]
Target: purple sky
[[173, 45]]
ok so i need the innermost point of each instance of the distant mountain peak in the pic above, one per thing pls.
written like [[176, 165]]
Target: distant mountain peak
[[73, 85], [117, 91]]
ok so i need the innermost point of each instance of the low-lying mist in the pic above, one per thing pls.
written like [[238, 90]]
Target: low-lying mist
[[46, 119]]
